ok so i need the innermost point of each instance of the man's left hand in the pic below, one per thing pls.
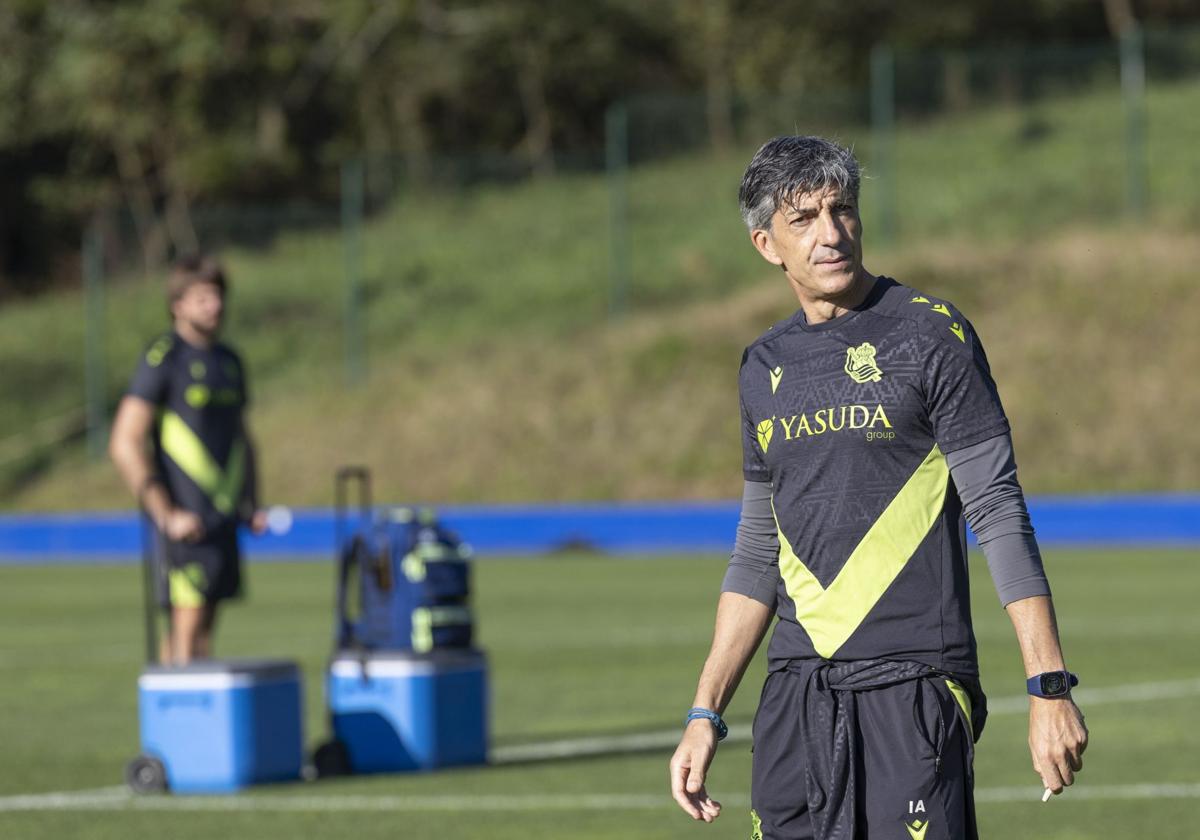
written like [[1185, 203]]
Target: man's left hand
[[258, 522], [1057, 739]]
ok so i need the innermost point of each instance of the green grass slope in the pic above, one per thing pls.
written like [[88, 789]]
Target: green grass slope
[[496, 372]]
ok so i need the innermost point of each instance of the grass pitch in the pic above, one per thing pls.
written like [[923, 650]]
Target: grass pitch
[[579, 646]]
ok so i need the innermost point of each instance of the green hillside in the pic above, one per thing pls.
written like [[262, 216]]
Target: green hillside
[[497, 374]]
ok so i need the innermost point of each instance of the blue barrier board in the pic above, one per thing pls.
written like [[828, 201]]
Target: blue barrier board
[[624, 528]]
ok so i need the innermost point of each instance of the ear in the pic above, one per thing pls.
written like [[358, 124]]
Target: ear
[[765, 245]]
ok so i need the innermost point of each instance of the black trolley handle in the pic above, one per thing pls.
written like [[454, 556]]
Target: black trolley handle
[[341, 492], [150, 575], [347, 555]]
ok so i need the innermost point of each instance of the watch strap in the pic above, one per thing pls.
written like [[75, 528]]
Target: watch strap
[[1034, 685]]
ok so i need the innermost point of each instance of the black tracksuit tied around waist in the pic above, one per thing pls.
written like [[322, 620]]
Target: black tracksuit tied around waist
[[864, 726], [871, 749]]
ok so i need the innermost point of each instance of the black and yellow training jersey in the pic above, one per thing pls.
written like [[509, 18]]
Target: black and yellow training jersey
[[199, 442], [850, 421]]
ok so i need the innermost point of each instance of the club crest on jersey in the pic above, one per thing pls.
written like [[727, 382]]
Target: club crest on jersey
[[766, 430], [860, 363]]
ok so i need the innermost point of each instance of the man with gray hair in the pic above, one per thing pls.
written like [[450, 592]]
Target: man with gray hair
[[870, 427]]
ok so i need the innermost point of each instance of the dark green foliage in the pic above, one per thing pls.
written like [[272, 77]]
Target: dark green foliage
[[155, 106]]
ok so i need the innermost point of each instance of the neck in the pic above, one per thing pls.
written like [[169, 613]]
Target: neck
[[818, 310], [193, 336]]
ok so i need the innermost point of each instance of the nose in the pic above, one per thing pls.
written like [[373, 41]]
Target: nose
[[830, 232]]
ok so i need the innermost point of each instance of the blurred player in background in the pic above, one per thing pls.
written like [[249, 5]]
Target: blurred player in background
[[181, 445], [870, 425]]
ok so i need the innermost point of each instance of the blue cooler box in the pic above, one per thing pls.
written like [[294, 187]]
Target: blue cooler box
[[395, 710], [220, 726]]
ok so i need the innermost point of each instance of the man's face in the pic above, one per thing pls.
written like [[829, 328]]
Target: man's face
[[817, 240], [202, 306]]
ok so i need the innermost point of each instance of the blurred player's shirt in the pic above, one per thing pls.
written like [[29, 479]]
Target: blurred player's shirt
[[199, 440], [850, 420]]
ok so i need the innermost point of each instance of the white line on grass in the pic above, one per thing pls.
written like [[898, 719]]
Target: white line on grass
[[1082, 790], [77, 799], [1087, 697], [120, 799], [740, 733]]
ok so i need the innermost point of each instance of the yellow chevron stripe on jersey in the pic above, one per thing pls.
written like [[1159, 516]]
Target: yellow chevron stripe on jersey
[[223, 486], [830, 615]]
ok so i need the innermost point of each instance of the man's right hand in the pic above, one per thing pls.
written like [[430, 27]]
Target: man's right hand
[[182, 526], [689, 766]]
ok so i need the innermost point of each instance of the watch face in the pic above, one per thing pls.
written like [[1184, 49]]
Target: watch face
[[1053, 684]]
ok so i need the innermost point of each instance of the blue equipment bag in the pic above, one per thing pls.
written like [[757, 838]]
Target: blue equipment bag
[[413, 577], [405, 688]]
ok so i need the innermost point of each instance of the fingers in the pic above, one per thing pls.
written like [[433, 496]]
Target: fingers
[[687, 787], [1080, 745], [1052, 779], [195, 529], [1048, 770], [709, 810], [1057, 740], [679, 777], [195, 526], [185, 526], [1057, 771], [1053, 783]]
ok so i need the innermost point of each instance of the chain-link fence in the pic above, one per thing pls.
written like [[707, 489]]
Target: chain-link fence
[[427, 250], [78, 362]]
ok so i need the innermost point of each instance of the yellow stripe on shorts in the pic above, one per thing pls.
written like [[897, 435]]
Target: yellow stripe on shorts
[[964, 703], [184, 589]]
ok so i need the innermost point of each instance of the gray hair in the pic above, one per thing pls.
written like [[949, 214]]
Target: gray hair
[[787, 167]]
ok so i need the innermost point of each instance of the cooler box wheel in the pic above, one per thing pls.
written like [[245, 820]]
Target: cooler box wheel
[[331, 759], [146, 774]]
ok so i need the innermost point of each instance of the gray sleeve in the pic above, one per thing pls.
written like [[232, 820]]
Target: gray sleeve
[[986, 477], [754, 565]]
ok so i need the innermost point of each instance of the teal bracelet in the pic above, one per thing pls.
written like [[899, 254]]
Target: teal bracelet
[[698, 713]]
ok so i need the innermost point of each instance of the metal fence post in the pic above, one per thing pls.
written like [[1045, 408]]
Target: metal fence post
[[353, 197], [95, 387], [883, 137], [1133, 93], [616, 133]]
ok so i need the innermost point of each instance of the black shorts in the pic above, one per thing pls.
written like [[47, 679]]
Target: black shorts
[[914, 767], [198, 574]]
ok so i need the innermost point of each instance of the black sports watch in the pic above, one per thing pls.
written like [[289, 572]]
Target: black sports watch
[[1052, 684]]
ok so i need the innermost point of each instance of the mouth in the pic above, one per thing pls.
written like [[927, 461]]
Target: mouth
[[836, 262]]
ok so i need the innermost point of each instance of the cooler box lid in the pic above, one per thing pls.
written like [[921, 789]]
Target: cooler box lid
[[397, 663], [218, 673]]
